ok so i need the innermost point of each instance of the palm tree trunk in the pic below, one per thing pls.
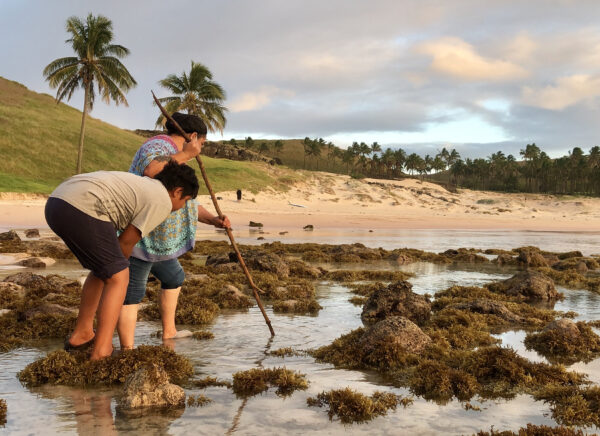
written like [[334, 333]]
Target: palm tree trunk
[[82, 132]]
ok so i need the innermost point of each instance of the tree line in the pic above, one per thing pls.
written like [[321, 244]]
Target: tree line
[[96, 69]]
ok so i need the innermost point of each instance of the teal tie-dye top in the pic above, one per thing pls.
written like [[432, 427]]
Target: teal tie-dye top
[[175, 235]]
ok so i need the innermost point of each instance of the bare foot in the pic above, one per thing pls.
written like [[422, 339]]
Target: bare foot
[[77, 339], [101, 354], [177, 334]]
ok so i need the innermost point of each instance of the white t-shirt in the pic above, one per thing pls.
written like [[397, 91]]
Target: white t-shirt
[[118, 197]]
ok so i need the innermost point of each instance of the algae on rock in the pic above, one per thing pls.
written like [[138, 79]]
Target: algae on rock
[[62, 368], [353, 407], [257, 380]]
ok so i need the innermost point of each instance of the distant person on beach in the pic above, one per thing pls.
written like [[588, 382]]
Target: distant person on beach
[[239, 195], [157, 252], [86, 211]]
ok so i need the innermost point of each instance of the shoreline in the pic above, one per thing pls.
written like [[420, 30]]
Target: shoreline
[[338, 202]]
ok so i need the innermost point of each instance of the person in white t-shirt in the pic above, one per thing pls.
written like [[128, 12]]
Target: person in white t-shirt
[[86, 211]]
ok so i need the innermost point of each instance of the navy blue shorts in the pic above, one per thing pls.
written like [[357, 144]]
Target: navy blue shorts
[[169, 272], [93, 242]]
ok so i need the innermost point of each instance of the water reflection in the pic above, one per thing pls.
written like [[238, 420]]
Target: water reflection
[[239, 344]]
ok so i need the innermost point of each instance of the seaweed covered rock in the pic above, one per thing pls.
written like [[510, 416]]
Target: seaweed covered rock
[[230, 297], [489, 307], [465, 256], [351, 406], [32, 233], [3, 410], [572, 405], [394, 331], [49, 248], [534, 430], [39, 286], [10, 294], [268, 262], [48, 309], [257, 380], [11, 243], [565, 341], [192, 309], [149, 387], [297, 306], [530, 285], [62, 368], [397, 299], [531, 257], [505, 259], [580, 264], [436, 381]]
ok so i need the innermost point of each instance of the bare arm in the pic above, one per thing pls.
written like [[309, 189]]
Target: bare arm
[[189, 151], [127, 240], [206, 217]]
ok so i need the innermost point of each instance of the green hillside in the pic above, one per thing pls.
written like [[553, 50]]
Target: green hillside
[[292, 156], [39, 141]]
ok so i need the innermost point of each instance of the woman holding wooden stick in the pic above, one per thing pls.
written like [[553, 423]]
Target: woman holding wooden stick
[[158, 252]]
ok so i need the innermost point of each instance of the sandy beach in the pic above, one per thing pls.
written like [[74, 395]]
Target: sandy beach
[[334, 201]]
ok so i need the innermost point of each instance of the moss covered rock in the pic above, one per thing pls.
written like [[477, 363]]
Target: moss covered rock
[[149, 387], [397, 299], [530, 285]]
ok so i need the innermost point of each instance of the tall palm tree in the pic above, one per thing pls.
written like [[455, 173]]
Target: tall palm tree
[[96, 61], [197, 94]]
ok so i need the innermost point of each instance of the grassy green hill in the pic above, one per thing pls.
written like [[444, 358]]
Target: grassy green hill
[[292, 156], [38, 146]]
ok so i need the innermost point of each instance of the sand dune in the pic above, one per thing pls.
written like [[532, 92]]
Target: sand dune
[[333, 201]]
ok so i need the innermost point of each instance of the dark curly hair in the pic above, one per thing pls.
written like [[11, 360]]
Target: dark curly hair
[[189, 124], [175, 175]]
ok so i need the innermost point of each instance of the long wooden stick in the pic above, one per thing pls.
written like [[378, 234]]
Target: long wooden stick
[[255, 289]]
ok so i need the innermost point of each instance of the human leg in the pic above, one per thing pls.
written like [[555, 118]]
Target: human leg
[[90, 297], [136, 290], [111, 301], [171, 275]]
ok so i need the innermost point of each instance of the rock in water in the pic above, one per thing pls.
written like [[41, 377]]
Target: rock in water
[[149, 387], [32, 233], [532, 285], [255, 224], [490, 307], [397, 299], [36, 262], [395, 330], [11, 235], [531, 257], [308, 227]]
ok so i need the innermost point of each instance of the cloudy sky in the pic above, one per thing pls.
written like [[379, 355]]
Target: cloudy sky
[[476, 75]]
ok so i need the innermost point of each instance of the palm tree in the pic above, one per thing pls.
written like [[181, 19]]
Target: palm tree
[[197, 94], [96, 62], [249, 142], [263, 147]]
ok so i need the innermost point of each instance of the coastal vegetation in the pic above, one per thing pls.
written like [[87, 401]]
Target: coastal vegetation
[[195, 93], [96, 63]]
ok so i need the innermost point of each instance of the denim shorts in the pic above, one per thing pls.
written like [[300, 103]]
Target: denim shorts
[[169, 272]]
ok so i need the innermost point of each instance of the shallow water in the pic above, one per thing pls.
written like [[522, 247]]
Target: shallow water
[[241, 339]]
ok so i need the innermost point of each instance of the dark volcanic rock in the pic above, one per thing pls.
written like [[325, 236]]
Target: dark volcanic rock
[[11, 235], [531, 285], [32, 233], [397, 299], [395, 330]]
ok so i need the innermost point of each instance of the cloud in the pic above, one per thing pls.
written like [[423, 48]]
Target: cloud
[[566, 92], [457, 58], [250, 101]]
